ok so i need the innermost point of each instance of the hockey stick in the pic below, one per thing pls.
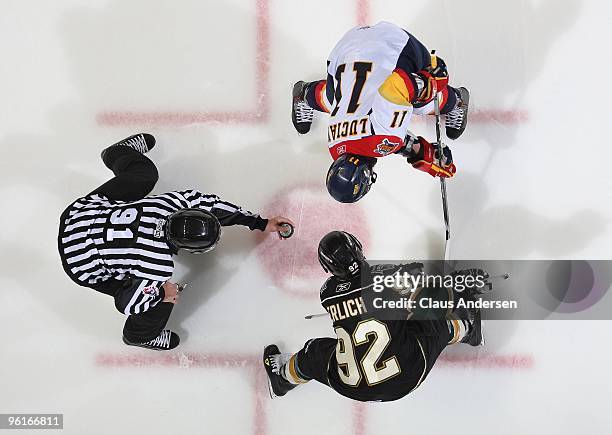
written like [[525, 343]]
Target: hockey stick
[[315, 316], [440, 146]]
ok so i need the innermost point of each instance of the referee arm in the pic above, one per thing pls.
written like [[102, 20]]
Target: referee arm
[[231, 214]]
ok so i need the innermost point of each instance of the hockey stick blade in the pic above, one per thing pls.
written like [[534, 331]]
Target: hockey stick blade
[[315, 316]]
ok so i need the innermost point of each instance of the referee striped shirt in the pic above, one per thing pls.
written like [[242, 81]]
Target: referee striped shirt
[[100, 239]]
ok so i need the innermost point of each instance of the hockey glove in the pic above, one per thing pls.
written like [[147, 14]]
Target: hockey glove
[[424, 157], [431, 80]]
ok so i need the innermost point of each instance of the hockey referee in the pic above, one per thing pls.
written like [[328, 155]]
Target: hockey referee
[[120, 242]]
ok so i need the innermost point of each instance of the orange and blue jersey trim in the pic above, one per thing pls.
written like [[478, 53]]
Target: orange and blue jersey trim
[[316, 93], [320, 95], [399, 88]]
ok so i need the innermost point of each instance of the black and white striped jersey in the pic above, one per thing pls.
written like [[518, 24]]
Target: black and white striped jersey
[[100, 240]]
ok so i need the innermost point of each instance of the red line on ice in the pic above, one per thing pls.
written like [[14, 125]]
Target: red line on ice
[[259, 114], [359, 415], [178, 359], [487, 116], [252, 363], [230, 360], [259, 389], [263, 60], [191, 360], [511, 361], [363, 12], [113, 119]]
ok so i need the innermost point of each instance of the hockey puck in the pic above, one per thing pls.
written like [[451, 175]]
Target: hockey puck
[[287, 230], [503, 276]]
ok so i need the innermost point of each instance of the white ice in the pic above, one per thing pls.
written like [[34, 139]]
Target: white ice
[[538, 188]]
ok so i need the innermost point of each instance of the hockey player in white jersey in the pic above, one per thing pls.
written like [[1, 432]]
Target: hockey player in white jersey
[[377, 78]]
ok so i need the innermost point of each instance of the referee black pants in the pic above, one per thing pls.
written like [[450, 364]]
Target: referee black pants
[[135, 177]]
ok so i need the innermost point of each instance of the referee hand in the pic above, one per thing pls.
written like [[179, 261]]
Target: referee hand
[[171, 291], [275, 224]]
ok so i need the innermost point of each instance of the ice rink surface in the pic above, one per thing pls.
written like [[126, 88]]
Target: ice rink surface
[[212, 81]]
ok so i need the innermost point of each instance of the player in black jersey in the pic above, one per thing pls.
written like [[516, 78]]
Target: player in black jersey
[[377, 355], [120, 242]]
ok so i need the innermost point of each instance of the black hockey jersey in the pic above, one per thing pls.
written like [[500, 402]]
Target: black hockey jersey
[[379, 356]]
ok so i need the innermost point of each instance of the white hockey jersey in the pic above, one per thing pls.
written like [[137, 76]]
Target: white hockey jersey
[[370, 99]]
